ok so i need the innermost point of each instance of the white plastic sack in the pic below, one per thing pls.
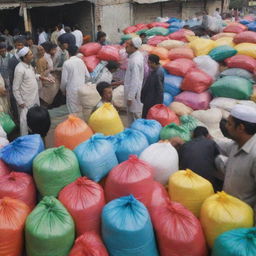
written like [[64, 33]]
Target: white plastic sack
[[118, 97], [208, 65], [163, 157], [3, 142], [2, 132]]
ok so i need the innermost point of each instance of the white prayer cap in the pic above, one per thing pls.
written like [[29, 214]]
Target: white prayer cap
[[23, 52], [244, 113], [136, 41]]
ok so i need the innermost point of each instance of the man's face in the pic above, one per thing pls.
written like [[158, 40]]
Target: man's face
[[103, 39], [107, 94], [41, 51], [30, 42], [232, 129], [151, 64], [19, 46], [53, 51], [29, 57], [3, 52], [129, 47]]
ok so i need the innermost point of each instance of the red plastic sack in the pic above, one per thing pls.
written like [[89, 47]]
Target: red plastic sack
[[178, 231], [108, 53], [197, 81], [90, 49], [181, 52], [161, 52], [18, 185], [235, 28], [132, 176], [89, 244], [4, 169], [84, 200], [245, 37], [163, 115], [13, 214], [241, 61], [91, 62], [196, 101], [181, 34], [179, 67], [130, 30], [159, 24], [142, 26], [154, 41]]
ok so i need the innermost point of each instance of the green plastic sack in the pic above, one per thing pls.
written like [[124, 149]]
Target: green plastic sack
[[7, 123], [174, 130], [49, 229], [223, 52], [189, 122], [157, 31], [55, 168], [142, 31], [232, 87], [126, 37]]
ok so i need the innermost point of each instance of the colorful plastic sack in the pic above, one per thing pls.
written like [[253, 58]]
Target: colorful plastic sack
[[49, 229], [84, 200], [197, 81], [91, 62], [168, 99], [159, 24], [96, 157], [202, 46], [127, 228], [232, 87], [126, 37], [155, 40], [173, 130], [130, 29], [133, 176], [180, 109], [222, 212], [170, 44], [150, 128], [179, 67], [241, 61], [20, 153], [7, 123], [221, 53], [178, 231], [237, 72], [189, 122], [72, 132], [161, 52], [227, 41], [172, 84], [108, 53], [90, 49], [162, 114], [89, 244], [157, 31], [195, 100], [53, 169], [235, 28], [245, 37], [13, 214], [237, 242], [190, 190], [221, 35], [106, 120], [181, 35], [163, 157], [248, 49], [4, 169], [2, 132], [181, 52], [18, 185]]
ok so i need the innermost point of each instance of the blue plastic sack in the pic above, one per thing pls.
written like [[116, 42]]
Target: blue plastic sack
[[150, 128], [237, 242], [172, 84], [252, 26], [244, 22], [173, 29], [168, 99], [173, 19], [130, 142], [20, 153], [127, 228], [96, 157]]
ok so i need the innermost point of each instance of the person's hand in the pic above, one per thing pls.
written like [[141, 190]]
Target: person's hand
[[22, 105], [129, 103], [48, 80], [2, 91]]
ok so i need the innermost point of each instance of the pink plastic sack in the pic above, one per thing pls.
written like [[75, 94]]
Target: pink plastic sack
[[91, 62], [4, 169], [235, 28], [245, 37], [108, 53], [241, 61], [196, 101], [132, 176], [181, 34], [181, 52], [159, 24], [154, 41], [90, 49], [142, 26], [179, 67], [130, 30]]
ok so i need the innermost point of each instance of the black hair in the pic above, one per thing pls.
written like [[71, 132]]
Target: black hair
[[200, 131], [3, 45], [67, 29], [101, 87], [143, 34], [100, 35], [46, 46], [72, 50], [29, 37], [38, 120], [2, 39], [223, 128], [41, 29], [250, 128], [186, 27], [217, 9], [99, 26], [112, 65], [9, 48], [59, 26], [154, 58], [20, 39], [76, 27]]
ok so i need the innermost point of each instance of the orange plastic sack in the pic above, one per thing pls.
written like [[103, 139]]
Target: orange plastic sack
[[180, 67], [161, 52], [90, 49], [241, 61], [89, 244], [235, 28], [4, 169], [245, 37], [220, 35], [13, 214], [72, 132], [130, 29], [181, 52]]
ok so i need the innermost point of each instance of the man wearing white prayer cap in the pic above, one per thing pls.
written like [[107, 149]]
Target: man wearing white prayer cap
[[240, 169], [133, 79]]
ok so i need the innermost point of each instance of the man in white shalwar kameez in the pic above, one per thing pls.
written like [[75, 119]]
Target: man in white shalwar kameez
[[74, 73], [133, 79]]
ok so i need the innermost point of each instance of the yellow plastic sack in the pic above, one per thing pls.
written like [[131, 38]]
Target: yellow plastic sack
[[246, 49], [170, 44], [189, 189], [106, 120], [225, 41], [202, 46], [222, 212]]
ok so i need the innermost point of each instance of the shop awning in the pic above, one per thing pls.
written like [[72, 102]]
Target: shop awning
[[4, 6], [149, 1]]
